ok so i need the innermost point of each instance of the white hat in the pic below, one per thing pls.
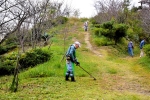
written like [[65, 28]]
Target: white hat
[[78, 43]]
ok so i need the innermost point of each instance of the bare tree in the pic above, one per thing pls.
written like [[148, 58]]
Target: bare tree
[[13, 14], [37, 15], [24, 16], [108, 9], [76, 13], [38, 20], [47, 18], [144, 15]]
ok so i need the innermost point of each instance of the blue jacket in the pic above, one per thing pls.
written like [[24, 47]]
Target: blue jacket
[[142, 44], [72, 53], [130, 44]]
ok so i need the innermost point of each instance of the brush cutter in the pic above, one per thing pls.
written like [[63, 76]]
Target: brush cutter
[[87, 72]]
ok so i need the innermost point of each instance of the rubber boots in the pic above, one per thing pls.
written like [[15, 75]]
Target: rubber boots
[[72, 79], [67, 77]]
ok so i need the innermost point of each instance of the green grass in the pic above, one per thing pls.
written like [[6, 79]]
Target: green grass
[[118, 77]]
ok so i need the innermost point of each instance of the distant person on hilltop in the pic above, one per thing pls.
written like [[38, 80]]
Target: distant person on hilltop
[[70, 60], [130, 48], [142, 43], [86, 26]]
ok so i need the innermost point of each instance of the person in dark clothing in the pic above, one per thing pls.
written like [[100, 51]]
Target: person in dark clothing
[[70, 60]]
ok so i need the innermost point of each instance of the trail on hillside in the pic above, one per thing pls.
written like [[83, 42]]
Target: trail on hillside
[[89, 46], [130, 82], [129, 75]]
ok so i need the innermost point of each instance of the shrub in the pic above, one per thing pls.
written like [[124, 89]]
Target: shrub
[[60, 19], [34, 57], [29, 59], [7, 46], [97, 25], [3, 50], [102, 41], [11, 40], [7, 64], [97, 31], [147, 50], [6, 69], [63, 20], [10, 47], [112, 30], [93, 21], [108, 25]]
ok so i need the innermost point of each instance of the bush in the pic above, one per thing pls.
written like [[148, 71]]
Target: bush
[[102, 41], [112, 30], [97, 25], [97, 31], [3, 50], [7, 64], [9, 45], [147, 50], [6, 70], [29, 59], [34, 57], [63, 20], [93, 21]]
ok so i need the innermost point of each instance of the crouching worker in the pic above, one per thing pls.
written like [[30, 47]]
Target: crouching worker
[[71, 60]]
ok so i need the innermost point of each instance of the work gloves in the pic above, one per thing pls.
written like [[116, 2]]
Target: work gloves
[[76, 62]]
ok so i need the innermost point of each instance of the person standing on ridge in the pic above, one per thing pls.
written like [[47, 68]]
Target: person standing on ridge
[[70, 60], [142, 43], [130, 48], [86, 26]]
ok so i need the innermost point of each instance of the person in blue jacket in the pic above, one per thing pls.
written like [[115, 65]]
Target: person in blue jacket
[[142, 43], [130, 48], [70, 60]]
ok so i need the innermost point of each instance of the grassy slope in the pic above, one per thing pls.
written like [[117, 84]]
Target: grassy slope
[[117, 78]]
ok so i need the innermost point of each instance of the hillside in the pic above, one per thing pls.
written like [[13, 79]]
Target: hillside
[[117, 77]]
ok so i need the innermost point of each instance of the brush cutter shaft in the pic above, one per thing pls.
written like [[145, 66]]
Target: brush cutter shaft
[[87, 72]]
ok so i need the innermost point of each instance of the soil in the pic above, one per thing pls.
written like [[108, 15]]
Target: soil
[[89, 46]]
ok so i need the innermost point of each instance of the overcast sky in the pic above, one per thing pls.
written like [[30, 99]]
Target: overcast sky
[[86, 7]]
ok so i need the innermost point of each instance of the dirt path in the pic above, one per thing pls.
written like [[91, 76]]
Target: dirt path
[[133, 85], [89, 46]]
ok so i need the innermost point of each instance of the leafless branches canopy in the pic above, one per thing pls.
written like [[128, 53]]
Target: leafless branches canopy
[[20, 16], [145, 20], [108, 9]]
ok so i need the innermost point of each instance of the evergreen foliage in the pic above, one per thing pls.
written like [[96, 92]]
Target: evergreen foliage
[[7, 64], [9, 45], [34, 57], [112, 30], [29, 59], [147, 50]]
